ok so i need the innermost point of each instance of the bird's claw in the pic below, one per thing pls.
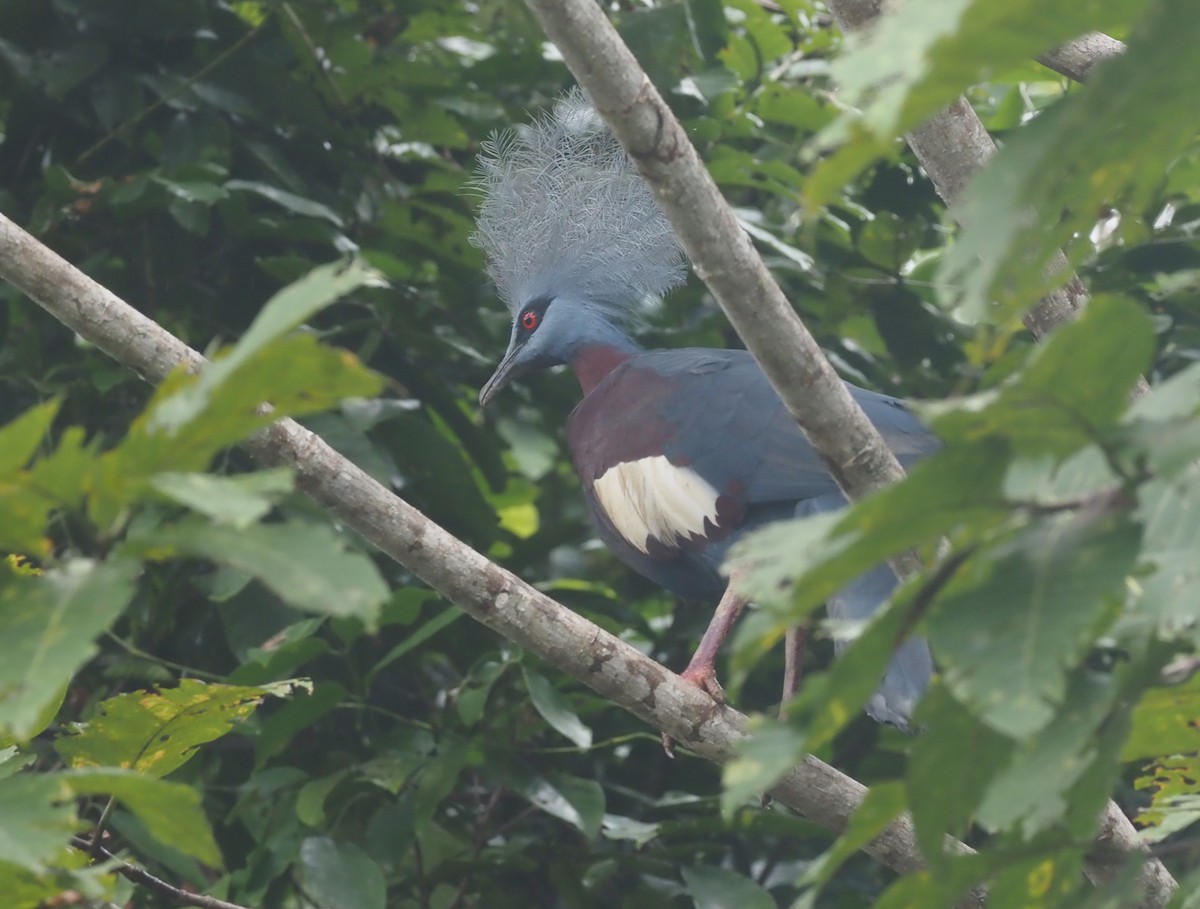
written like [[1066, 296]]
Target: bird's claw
[[704, 678]]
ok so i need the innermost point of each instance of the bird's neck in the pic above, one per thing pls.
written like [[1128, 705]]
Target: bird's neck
[[592, 362]]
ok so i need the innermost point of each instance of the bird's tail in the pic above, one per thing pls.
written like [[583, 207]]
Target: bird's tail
[[911, 667]]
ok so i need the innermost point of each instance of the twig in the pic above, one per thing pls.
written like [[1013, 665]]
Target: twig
[[140, 875]]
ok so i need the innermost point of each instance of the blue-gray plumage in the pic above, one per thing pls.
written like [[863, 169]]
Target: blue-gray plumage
[[681, 452]]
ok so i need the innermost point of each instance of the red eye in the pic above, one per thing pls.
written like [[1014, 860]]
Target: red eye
[[529, 320]]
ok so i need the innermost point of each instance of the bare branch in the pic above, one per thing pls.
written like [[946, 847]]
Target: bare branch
[[485, 591], [720, 250], [1077, 58]]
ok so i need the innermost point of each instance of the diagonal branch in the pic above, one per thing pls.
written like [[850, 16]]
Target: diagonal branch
[[140, 875], [721, 252], [725, 259], [488, 593]]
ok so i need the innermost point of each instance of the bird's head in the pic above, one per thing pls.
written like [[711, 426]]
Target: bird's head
[[575, 243]]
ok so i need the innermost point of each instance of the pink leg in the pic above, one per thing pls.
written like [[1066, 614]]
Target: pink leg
[[794, 644], [701, 670]]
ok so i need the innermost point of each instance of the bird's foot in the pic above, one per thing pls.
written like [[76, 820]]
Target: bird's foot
[[705, 678]]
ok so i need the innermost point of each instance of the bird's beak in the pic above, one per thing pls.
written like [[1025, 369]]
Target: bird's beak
[[500, 378]]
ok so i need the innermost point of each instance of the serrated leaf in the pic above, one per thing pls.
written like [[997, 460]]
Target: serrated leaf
[[1030, 789], [304, 564], [49, 624], [1008, 631], [555, 710], [156, 732]]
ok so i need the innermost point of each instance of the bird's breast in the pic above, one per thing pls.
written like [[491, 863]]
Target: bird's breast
[[659, 507]]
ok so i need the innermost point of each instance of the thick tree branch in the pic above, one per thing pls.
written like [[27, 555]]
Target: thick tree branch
[[1075, 59], [720, 250], [951, 147], [488, 593]]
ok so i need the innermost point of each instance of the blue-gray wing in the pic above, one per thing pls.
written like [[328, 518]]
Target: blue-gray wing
[[730, 426]]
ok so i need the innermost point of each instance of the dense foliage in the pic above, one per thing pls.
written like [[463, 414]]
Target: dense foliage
[[206, 675]]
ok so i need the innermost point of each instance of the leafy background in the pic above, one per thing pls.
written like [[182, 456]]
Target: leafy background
[[199, 157]]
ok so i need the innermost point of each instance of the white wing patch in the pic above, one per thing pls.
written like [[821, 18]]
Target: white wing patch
[[654, 498]]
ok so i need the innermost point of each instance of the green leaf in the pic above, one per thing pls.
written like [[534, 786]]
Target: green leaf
[[1176, 800], [290, 201], [957, 759], [719, 888], [1166, 598], [806, 561], [1106, 145], [192, 419], [1007, 632], [155, 733], [555, 710], [882, 804], [577, 801], [443, 619], [763, 758], [339, 875], [1077, 381], [1033, 790], [37, 814], [48, 624], [282, 313], [304, 564], [925, 53], [172, 812], [19, 440], [298, 714], [616, 827], [1165, 721], [238, 501], [35, 820]]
